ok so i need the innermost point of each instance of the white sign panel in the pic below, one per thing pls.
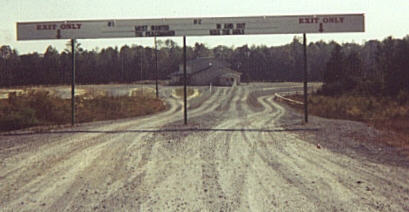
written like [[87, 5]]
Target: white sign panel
[[190, 27]]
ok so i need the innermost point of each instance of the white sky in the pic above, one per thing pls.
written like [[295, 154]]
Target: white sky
[[382, 18]]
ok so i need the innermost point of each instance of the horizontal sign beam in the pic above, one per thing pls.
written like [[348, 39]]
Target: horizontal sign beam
[[190, 27]]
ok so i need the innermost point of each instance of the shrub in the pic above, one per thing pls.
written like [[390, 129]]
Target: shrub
[[22, 118], [40, 108], [403, 97], [357, 107]]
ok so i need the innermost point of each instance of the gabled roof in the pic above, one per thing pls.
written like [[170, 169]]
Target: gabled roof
[[206, 63], [231, 71], [202, 62], [191, 73]]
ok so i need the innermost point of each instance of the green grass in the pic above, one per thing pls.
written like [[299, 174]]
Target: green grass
[[40, 108]]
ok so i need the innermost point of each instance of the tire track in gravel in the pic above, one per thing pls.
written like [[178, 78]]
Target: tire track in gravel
[[50, 150], [310, 184], [216, 197], [251, 141], [112, 199], [71, 149], [211, 188], [272, 158], [126, 192], [97, 137], [357, 173], [329, 188], [204, 101], [240, 198], [208, 104], [231, 171], [262, 123], [361, 173], [224, 194], [225, 104], [40, 187], [171, 147], [40, 164], [273, 113], [188, 170], [144, 197]]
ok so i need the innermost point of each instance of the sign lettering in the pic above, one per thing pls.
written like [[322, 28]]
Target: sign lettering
[[326, 20], [54, 26], [228, 29], [155, 30]]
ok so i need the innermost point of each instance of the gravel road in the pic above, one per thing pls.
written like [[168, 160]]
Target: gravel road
[[241, 151]]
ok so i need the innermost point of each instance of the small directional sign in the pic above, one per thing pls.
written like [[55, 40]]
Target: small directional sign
[[321, 27], [58, 34], [215, 26]]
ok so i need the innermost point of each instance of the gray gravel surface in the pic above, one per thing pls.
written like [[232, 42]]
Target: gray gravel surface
[[241, 151]]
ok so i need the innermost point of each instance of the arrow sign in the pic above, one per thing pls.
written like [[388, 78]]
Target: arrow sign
[[321, 28], [58, 34]]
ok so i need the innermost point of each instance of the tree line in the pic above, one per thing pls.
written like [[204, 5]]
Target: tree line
[[376, 67]]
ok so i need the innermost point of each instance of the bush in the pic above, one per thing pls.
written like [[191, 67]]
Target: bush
[[403, 97], [357, 107], [40, 108], [22, 118]]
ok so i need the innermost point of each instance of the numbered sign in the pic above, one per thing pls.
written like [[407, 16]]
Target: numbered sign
[[216, 26]]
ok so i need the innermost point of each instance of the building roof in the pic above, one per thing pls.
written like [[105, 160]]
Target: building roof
[[202, 64]]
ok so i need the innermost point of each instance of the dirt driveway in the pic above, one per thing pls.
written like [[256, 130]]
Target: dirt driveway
[[241, 151]]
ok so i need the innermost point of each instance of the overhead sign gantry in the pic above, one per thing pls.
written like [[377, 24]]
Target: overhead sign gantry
[[91, 29], [206, 26]]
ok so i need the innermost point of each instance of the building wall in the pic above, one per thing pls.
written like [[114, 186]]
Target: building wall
[[205, 71], [229, 79], [174, 80], [188, 68], [205, 77], [202, 63], [216, 76]]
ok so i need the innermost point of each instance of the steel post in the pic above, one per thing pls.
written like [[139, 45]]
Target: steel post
[[73, 82], [184, 80], [156, 70], [305, 80]]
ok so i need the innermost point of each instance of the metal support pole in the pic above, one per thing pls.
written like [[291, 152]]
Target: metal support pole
[[156, 70], [305, 80], [142, 52], [184, 80], [122, 66], [73, 83], [7, 72]]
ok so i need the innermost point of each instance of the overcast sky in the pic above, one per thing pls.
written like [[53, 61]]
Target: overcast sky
[[383, 18]]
